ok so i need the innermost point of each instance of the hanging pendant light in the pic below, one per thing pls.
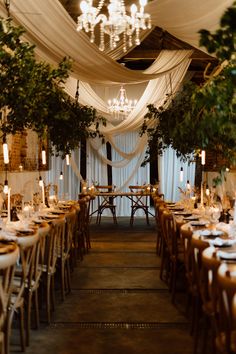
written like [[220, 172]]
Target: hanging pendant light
[[44, 161], [188, 185], [5, 188], [40, 181], [61, 176], [203, 157], [5, 151], [181, 174], [67, 159], [207, 190]]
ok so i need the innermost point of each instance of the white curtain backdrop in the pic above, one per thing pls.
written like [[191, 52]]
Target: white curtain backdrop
[[169, 173]]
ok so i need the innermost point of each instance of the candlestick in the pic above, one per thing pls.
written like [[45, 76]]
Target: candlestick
[[9, 205]]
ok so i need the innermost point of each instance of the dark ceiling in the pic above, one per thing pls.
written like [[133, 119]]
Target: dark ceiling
[[143, 55]]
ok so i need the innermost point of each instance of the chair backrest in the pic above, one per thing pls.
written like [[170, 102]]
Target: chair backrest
[[70, 230], [169, 232], [105, 189], [198, 245], [54, 240], [208, 280], [226, 279], [140, 200], [7, 269]]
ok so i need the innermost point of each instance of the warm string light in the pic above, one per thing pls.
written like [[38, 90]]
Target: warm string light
[[114, 25]]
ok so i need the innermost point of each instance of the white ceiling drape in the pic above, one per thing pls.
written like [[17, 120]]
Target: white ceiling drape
[[54, 32]]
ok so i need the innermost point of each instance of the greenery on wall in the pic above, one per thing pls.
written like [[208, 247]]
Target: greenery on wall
[[32, 95], [201, 117]]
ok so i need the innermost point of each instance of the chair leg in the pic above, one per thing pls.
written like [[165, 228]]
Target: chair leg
[[48, 299], [28, 317], [36, 305], [62, 279], [22, 328]]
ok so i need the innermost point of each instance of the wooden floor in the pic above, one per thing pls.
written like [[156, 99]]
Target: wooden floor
[[118, 304]]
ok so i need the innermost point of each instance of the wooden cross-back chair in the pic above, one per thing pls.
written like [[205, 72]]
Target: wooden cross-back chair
[[105, 202], [139, 201]]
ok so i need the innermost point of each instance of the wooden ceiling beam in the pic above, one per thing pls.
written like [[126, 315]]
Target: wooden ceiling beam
[[150, 54]]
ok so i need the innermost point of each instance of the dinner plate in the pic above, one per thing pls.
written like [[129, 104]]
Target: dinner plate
[[198, 223], [184, 213], [48, 216], [192, 218], [227, 255], [176, 209]]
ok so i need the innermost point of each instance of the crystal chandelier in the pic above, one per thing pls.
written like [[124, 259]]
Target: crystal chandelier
[[117, 22], [121, 106]]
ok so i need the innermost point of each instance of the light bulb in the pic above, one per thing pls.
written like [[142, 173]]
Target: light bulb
[[188, 185], [181, 175], [40, 181], [5, 188], [43, 156], [143, 2], [61, 176], [207, 190], [84, 7], [133, 9], [5, 153], [67, 159], [203, 157]]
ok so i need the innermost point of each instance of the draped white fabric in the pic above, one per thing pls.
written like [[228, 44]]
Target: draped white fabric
[[169, 174], [53, 32], [184, 18], [43, 21], [69, 187]]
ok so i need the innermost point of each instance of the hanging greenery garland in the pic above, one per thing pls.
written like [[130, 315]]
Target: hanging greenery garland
[[33, 96]]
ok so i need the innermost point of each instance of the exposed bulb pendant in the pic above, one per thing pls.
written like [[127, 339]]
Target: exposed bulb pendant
[[203, 157], [67, 159], [188, 185], [40, 181], [44, 161], [5, 188], [207, 191], [181, 174], [5, 152], [61, 176]]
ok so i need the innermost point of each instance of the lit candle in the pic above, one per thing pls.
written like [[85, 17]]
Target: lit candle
[[9, 205], [203, 157]]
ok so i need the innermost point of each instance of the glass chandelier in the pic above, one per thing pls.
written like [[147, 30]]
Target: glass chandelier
[[121, 106], [117, 22]]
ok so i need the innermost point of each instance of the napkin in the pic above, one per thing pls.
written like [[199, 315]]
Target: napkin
[[222, 242]]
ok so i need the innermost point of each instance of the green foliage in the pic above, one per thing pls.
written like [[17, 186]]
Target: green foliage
[[32, 91], [201, 117]]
